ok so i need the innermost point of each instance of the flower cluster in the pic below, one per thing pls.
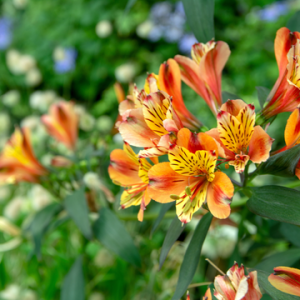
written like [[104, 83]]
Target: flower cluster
[[157, 120]]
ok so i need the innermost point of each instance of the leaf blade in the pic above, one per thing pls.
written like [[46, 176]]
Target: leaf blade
[[262, 94], [165, 207], [293, 23]]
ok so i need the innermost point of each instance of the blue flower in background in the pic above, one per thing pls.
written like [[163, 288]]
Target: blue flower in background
[[186, 43], [273, 11], [5, 33], [65, 59]]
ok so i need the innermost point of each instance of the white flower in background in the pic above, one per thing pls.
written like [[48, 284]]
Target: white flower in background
[[104, 258], [87, 122], [29, 295], [104, 124], [39, 197], [12, 60], [31, 122], [104, 29], [92, 181], [41, 100], [79, 110], [12, 292], [117, 138], [125, 73], [96, 296], [11, 98], [144, 29], [13, 209], [33, 77], [4, 192], [26, 63], [4, 123], [47, 159], [20, 4], [59, 53]]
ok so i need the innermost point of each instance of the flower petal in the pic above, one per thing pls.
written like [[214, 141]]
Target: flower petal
[[233, 106], [224, 288], [260, 145], [292, 129], [218, 194]]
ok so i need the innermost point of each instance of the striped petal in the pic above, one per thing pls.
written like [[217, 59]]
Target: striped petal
[[286, 280], [224, 288], [233, 106], [207, 295], [151, 83], [219, 192], [292, 129]]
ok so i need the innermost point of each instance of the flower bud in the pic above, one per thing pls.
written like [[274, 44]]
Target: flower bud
[[104, 29]]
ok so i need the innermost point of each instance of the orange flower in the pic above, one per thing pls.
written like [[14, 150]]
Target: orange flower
[[285, 95], [203, 72], [17, 160], [127, 170], [240, 139], [152, 123], [207, 295], [170, 82], [190, 177], [62, 123], [286, 280], [236, 285]]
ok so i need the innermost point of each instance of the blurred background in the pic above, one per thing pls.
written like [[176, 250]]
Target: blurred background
[[76, 50]]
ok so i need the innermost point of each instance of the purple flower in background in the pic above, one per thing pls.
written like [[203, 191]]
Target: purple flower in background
[[5, 33], [186, 43], [273, 11], [65, 59]]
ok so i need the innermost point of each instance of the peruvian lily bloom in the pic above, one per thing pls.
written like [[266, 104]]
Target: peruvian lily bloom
[[207, 295], [240, 139], [62, 123], [152, 124], [236, 285], [285, 95], [190, 178], [17, 160], [170, 81], [128, 170], [286, 280], [203, 72]]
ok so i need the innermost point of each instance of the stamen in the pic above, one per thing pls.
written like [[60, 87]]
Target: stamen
[[219, 270]]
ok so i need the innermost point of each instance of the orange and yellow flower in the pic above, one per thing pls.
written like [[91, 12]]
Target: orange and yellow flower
[[62, 123], [169, 80], [203, 73], [190, 177], [286, 280], [128, 170], [236, 285], [17, 160], [240, 139], [285, 95]]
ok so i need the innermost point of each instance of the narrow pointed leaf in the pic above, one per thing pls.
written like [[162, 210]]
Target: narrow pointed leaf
[[286, 258], [294, 22], [76, 206], [276, 203], [164, 208], [228, 96], [291, 233], [192, 256], [73, 285], [270, 290], [262, 94], [112, 234], [200, 17], [171, 237], [282, 164]]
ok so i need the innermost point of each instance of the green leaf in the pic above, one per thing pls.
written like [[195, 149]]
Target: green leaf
[[73, 285], [200, 17], [164, 208], [270, 290], [40, 223], [291, 233], [294, 22], [262, 94], [282, 164], [192, 256], [286, 258], [171, 237], [112, 234], [276, 203], [76, 206], [228, 96]]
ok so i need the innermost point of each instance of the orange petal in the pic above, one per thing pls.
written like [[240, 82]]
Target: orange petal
[[151, 83], [207, 295], [292, 129], [125, 105], [286, 280], [218, 194], [163, 182], [123, 169], [211, 67], [119, 92], [153, 152], [224, 288], [233, 106], [170, 82], [135, 131], [260, 145], [254, 292], [145, 201]]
